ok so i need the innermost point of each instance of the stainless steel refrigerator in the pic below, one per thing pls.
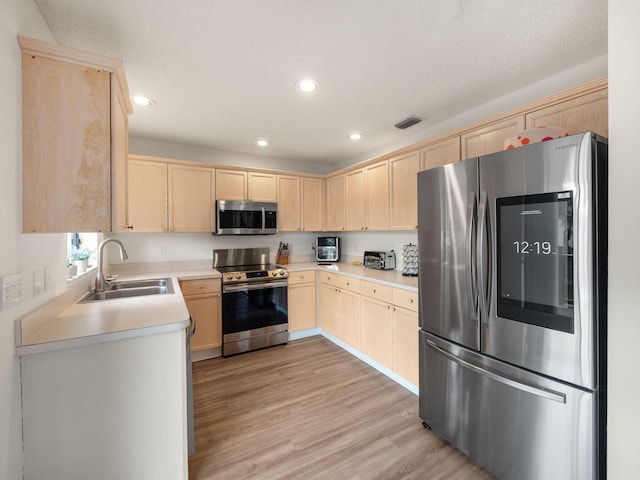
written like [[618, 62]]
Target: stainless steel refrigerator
[[513, 269]]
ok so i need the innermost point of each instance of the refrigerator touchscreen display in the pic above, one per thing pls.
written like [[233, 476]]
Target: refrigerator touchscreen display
[[535, 259]]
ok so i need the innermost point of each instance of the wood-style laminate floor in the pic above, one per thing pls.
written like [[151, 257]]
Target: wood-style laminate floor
[[310, 410]]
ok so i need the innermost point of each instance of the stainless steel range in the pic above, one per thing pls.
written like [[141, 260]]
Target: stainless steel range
[[254, 300]]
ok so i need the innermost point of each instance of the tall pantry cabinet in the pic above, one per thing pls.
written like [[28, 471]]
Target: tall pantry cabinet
[[75, 108]]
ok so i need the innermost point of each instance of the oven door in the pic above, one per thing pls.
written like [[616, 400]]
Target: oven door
[[254, 310]]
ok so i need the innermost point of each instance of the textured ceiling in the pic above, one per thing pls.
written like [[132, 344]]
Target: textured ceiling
[[223, 71]]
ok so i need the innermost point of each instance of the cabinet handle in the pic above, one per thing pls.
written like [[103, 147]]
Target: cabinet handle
[[373, 290], [388, 307], [411, 300], [201, 285], [130, 227]]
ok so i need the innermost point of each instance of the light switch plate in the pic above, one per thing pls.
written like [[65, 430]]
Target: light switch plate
[[12, 290]]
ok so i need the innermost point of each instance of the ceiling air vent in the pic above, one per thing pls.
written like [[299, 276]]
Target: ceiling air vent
[[407, 122]]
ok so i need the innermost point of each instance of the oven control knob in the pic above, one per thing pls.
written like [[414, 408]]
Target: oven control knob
[[281, 272], [274, 273], [238, 276], [229, 277]]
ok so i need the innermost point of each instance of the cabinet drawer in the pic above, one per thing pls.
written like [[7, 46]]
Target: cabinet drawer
[[204, 285], [405, 299], [307, 276], [378, 291], [340, 281]]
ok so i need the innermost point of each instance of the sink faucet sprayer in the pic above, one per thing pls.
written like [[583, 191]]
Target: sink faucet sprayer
[[100, 280]]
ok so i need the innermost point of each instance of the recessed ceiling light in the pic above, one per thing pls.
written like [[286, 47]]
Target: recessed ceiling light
[[142, 100], [262, 142], [307, 85], [354, 136]]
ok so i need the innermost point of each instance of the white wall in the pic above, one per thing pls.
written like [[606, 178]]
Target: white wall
[[20, 253], [624, 232]]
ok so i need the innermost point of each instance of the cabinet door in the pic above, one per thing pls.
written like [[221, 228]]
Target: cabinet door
[[206, 309], [491, 138], [582, 114], [147, 196], [120, 152], [288, 203], [377, 196], [191, 198], [349, 317], [335, 203], [376, 331], [405, 344], [231, 185], [404, 191], [261, 187], [328, 311], [440, 153], [355, 200], [302, 306], [66, 147], [312, 209]]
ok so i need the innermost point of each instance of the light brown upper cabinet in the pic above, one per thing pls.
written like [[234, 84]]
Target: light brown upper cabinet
[[313, 204], [288, 203], [403, 172], [377, 196], [170, 197], [440, 153], [491, 138], [336, 203], [148, 199], [191, 198], [586, 113], [74, 139], [261, 187], [354, 187], [231, 184]]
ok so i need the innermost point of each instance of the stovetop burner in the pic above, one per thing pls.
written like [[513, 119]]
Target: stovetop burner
[[242, 265]]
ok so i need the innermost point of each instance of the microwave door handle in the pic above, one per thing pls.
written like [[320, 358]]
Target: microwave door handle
[[263, 219]]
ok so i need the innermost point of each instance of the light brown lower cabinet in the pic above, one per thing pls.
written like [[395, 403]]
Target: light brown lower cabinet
[[204, 302], [302, 300], [378, 320], [339, 308]]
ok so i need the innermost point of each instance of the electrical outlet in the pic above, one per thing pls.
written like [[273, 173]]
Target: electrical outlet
[[48, 277], [12, 290], [38, 282]]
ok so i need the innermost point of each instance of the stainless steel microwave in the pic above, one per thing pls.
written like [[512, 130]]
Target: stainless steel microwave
[[235, 217]]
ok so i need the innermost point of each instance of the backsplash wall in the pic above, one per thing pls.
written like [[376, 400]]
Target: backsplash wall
[[170, 247]]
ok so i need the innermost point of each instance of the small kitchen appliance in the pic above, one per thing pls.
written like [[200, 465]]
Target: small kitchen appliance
[[235, 217], [410, 260], [379, 260], [254, 300], [327, 249]]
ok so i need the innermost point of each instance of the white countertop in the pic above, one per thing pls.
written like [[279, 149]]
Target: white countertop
[[393, 278], [64, 323]]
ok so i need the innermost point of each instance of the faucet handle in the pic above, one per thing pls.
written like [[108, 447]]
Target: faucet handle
[[110, 278]]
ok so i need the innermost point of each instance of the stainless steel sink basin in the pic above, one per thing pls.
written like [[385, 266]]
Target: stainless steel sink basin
[[131, 288], [131, 284]]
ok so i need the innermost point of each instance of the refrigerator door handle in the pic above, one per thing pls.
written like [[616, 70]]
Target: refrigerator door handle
[[472, 284], [544, 393], [484, 232]]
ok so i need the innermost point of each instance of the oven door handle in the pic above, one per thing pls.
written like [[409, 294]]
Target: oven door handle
[[238, 287]]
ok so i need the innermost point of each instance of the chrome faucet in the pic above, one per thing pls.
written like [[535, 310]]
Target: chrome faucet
[[100, 280]]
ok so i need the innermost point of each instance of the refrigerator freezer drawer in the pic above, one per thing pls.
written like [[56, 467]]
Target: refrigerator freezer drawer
[[516, 424]]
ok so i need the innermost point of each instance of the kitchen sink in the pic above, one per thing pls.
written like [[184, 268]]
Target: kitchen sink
[[131, 288]]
